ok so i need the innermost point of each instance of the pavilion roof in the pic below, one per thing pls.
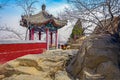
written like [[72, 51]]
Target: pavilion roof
[[43, 18]]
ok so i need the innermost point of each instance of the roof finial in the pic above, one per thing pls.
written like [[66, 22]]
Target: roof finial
[[43, 7]]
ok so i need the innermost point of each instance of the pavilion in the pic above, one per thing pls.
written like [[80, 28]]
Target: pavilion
[[43, 22]]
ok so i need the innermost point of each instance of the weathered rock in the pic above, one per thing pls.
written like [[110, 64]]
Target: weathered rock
[[97, 59], [26, 77], [47, 66], [2, 76], [62, 75], [75, 44]]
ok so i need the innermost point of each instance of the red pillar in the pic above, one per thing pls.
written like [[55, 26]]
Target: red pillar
[[56, 39], [51, 37], [40, 35], [47, 38], [31, 34]]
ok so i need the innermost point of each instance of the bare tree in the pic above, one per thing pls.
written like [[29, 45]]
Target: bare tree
[[93, 11], [28, 7], [8, 29], [73, 16]]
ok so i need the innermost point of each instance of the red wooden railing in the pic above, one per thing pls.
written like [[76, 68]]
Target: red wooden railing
[[10, 51]]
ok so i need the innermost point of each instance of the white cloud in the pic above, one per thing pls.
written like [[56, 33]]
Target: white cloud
[[55, 9], [12, 21]]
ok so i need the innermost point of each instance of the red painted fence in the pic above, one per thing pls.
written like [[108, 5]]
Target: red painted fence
[[12, 50]]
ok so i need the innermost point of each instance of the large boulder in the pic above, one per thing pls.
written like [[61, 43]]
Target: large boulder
[[47, 66], [97, 59]]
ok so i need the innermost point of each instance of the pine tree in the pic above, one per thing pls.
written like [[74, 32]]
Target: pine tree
[[77, 30]]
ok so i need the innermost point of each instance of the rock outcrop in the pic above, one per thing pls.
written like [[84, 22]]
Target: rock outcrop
[[97, 59], [76, 44], [47, 66]]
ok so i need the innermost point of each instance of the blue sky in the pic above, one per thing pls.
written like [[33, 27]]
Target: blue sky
[[10, 15]]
